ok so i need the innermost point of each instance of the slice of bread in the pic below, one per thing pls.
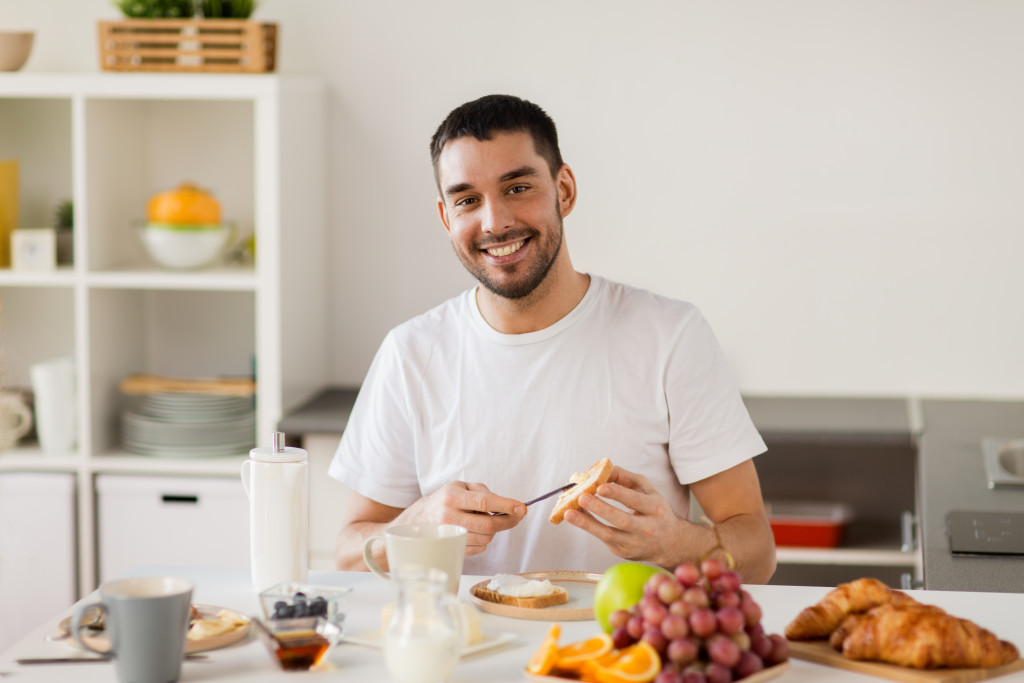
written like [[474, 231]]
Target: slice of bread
[[596, 475], [557, 597]]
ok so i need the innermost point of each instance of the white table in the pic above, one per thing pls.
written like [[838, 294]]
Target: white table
[[248, 661]]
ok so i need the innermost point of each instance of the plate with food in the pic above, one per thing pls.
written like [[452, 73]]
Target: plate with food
[[209, 628], [543, 596]]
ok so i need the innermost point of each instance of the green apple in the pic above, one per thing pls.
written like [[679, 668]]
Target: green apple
[[621, 587]]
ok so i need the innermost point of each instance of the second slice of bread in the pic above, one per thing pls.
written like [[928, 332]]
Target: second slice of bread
[[596, 475], [559, 596]]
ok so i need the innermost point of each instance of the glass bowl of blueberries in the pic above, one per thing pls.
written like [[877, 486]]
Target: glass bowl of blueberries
[[290, 600]]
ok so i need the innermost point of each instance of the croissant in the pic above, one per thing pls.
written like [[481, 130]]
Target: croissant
[[851, 620], [818, 621], [924, 637]]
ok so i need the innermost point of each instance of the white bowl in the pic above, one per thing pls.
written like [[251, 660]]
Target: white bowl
[[185, 248], [15, 47]]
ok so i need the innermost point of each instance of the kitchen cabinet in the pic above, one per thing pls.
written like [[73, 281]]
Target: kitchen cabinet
[[170, 521], [37, 549], [861, 452], [109, 141]]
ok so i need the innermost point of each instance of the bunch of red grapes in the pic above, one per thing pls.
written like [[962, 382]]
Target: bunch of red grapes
[[706, 628]]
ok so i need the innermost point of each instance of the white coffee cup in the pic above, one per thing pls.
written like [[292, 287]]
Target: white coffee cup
[[15, 418], [53, 383], [442, 546]]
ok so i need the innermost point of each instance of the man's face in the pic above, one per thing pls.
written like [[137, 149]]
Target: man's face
[[503, 211]]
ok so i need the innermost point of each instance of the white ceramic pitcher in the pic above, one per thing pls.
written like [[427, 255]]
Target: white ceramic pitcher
[[276, 480]]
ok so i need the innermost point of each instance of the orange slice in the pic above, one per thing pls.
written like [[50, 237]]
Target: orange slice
[[571, 657], [638, 663], [543, 660]]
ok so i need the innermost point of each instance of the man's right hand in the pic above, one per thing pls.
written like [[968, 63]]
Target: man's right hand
[[470, 506]]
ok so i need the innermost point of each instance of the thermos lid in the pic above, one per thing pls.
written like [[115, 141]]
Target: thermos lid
[[278, 452]]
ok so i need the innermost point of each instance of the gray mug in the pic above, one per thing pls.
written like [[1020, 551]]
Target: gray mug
[[146, 620]]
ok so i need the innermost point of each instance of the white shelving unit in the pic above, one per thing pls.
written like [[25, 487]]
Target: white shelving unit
[[109, 142]]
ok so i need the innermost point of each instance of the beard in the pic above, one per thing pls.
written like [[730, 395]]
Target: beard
[[536, 271]]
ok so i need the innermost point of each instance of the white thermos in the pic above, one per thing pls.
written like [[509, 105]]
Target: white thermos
[[276, 480]]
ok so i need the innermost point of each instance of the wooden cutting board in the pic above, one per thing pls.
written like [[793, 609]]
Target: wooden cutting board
[[820, 652]]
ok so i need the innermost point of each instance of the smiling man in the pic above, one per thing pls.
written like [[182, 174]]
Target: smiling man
[[505, 391]]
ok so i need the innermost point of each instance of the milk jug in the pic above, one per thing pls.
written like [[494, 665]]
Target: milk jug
[[423, 638], [276, 480]]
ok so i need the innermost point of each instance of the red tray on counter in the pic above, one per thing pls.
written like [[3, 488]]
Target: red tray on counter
[[808, 524]]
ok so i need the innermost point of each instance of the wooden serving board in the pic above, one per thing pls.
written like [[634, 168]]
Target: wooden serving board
[[820, 652]]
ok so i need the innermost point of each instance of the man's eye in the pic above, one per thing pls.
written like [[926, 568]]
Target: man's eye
[[465, 201], [516, 189]]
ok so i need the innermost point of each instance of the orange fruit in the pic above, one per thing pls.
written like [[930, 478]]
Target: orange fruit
[[572, 656], [638, 663], [186, 204], [543, 660]]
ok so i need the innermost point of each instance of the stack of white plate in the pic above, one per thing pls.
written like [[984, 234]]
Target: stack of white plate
[[190, 426]]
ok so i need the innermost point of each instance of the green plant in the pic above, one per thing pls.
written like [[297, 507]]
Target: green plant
[[64, 215], [233, 9], [155, 9], [184, 9]]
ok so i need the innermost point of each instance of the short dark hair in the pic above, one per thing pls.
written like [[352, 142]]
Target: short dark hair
[[499, 114]]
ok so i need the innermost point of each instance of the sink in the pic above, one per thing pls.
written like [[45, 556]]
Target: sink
[[1004, 462]]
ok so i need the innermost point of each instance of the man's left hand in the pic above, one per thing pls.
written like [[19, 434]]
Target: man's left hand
[[639, 532]]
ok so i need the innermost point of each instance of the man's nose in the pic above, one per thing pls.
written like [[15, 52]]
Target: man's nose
[[497, 217]]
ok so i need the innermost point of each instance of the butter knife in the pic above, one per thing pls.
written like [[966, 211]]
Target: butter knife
[[547, 495]]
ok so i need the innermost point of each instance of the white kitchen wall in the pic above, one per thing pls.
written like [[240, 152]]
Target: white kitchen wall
[[836, 184]]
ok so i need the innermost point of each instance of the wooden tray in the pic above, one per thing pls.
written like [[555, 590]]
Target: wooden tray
[[205, 45], [579, 608], [820, 652]]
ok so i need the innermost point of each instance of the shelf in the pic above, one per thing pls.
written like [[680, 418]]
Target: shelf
[[121, 462], [226, 278], [109, 142], [30, 459], [63, 276], [865, 542]]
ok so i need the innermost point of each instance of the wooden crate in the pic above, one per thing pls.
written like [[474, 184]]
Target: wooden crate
[[206, 45]]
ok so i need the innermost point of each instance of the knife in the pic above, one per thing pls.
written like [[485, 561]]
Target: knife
[[528, 503], [189, 656]]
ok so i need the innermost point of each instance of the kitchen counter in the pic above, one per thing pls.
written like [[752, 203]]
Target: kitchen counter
[[248, 660], [951, 476]]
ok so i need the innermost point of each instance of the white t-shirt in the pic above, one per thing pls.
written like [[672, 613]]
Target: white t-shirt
[[627, 375]]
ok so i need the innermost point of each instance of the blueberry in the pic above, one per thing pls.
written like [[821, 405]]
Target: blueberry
[[300, 610], [318, 607], [284, 611]]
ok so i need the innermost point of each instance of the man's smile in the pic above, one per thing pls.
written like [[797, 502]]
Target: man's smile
[[506, 249]]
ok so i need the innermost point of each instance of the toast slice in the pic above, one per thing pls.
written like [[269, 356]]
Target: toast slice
[[587, 482], [559, 596]]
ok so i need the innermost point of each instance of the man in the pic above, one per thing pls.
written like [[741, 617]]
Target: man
[[504, 392]]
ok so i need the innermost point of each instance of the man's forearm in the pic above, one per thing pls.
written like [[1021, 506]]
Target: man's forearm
[[348, 550], [747, 538]]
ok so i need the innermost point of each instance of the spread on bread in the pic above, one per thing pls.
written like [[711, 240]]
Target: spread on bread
[[519, 587], [586, 482], [519, 591], [867, 620]]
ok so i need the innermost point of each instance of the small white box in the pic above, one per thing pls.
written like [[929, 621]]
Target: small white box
[[34, 249], [184, 521]]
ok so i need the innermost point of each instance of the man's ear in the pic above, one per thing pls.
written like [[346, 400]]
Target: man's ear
[[565, 181], [442, 213]]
